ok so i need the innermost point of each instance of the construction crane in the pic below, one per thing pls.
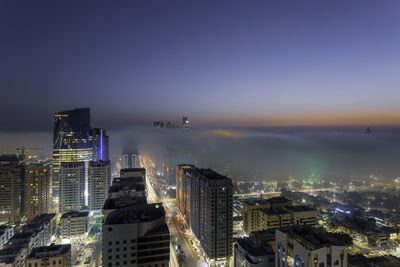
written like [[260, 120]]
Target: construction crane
[[22, 149]]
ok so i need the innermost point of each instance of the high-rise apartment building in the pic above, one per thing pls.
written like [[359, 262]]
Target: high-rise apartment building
[[72, 182], [136, 236], [204, 197], [36, 190], [11, 190], [130, 160], [99, 183]]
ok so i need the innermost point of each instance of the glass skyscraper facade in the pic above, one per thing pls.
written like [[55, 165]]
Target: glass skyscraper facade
[[74, 140]]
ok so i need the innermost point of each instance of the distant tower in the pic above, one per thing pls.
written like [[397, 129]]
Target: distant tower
[[130, 160], [185, 123]]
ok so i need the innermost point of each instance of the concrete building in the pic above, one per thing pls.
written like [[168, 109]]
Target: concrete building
[[6, 232], [308, 247], [136, 236], [54, 256], [13, 256], [127, 187], [274, 213], [45, 228], [72, 184], [74, 225], [204, 198], [36, 190], [11, 190], [130, 160], [99, 183], [252, 252], [133, 172]]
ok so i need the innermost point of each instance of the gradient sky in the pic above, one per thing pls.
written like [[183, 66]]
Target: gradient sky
[[231, 63]]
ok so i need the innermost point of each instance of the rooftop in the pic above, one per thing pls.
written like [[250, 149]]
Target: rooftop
[[130, 187], [256, 201], [133, 170], [74, 214], [280, 199], [128, 180], [254, 246], [136, 214], [275, 211], [299, 208], [312, 238], [212, 175], [49, 251], [122, 202]]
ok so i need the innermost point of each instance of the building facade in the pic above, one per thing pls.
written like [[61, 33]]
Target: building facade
[[74, 225], [130, 160], [11, 190], [54, 256], [204, 198], [136, 236], [37, 190], [304, 246], [99, 183], [72, 182]]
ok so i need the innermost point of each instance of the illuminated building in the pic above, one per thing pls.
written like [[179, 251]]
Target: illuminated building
[[37, 190], [71, 141], [6, 232], [308, 247], [136, 236], [54, 255], [251, 208], [180, 187], [74, 225], [204, 197], [185, 123], [99, 144], [253, 252], [72, 181], [11, 190], [133, 172], [130, 160], [99, 183]]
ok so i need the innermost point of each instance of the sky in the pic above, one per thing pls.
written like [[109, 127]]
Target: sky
[[222, 63]]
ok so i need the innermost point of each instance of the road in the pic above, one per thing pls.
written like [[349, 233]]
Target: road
[[157, 194]]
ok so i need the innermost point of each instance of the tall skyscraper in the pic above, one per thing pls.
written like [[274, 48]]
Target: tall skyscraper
[[99, 144], [71, 141], [204, 197], [11, 189], [75, 141], [72, 177], [185, 123], [99, 183], [130, 160], [37, 190]]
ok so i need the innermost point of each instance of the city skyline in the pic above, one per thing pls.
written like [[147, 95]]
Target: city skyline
[[251, 64]]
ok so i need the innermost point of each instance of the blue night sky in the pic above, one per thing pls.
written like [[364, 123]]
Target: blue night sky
[[230, 63]]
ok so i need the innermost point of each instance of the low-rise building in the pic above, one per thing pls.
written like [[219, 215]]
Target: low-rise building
[[6, 232], [54, 256], [74, 225], [253, 252], [13, 256], [305, 246]]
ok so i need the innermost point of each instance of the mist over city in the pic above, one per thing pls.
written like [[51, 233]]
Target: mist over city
[[199, 133]]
